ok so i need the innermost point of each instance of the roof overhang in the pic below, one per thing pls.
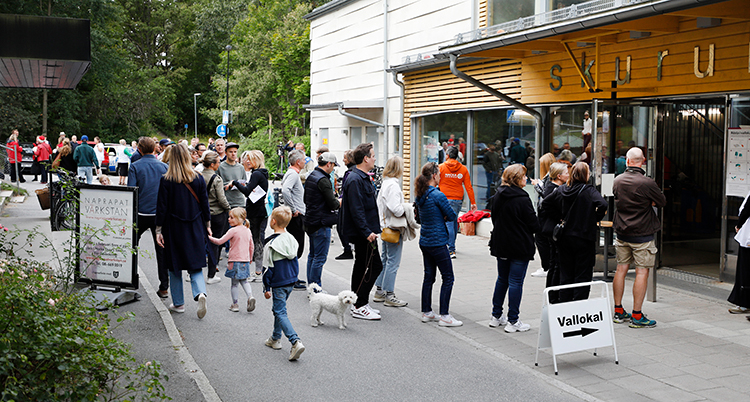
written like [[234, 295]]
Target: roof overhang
[[365, 104], [326, 8], [43, 52]]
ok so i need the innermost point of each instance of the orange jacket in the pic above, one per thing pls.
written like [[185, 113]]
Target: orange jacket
[[452, 175]]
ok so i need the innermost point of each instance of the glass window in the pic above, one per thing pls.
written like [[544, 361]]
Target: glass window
[[372, 135], [568, 126], [560, 4], [449, 128], [494, 131], [500, 11], [355, 137]]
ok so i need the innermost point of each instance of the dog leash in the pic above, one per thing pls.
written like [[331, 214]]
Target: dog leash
[[367, 266]]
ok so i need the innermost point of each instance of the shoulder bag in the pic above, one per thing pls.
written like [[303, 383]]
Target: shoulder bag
[[557, 232]]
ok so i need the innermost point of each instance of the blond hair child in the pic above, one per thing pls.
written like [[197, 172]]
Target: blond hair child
[[240, 256]]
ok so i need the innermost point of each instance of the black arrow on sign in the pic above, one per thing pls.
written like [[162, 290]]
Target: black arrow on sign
[[583, 332]]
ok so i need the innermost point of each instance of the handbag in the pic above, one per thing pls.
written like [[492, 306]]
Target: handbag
[[390, 235], [56, 162], [557, 232]]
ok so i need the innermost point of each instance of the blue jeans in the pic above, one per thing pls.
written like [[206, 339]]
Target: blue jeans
[[510, 274], [197, 284], [85, 171], [280, 320], [437, 258], [320, 242], [453, 225], [391, 257]]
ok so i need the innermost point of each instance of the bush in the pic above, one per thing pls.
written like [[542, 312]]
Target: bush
[[56, 346]]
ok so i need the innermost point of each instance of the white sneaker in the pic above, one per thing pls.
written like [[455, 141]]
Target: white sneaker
[[365, 313], [273, 343], [215, 279], [255, 277], [201, 305], [496, 322], [517, 326], [392, 301], [431, 316], [250, 304], [180, 309], [297, 350], [539, 273], [449, 321]]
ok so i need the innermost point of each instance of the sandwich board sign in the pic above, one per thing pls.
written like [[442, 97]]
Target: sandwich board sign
[[577, 325]]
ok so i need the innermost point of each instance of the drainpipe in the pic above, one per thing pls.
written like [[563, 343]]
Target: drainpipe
[[360, 118], [387, 134], [401, 121], [508, 99]]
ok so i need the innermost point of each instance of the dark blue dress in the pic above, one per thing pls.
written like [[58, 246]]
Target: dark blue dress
[[183, 221]]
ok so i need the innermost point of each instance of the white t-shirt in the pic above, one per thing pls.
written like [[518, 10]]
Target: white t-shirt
[[99, 151]]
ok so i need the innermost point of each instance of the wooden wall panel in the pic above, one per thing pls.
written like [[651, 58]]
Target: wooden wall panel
[[482, 14]]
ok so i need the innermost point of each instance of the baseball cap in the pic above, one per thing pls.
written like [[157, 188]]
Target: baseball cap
[[166, 142], [232, 145], [84, 137], [328, 157]]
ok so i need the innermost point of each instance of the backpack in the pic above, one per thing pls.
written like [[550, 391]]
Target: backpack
[[269, 203]]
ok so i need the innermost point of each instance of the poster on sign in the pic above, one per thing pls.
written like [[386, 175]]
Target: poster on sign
[[107, 236], [738, 162]]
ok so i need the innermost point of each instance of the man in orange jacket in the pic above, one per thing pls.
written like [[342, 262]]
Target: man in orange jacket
[[454, 177]]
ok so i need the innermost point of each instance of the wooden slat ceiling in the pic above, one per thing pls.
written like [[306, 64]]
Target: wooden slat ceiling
[[57, 74]]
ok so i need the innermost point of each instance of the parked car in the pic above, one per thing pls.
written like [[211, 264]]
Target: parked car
[[28, 157]]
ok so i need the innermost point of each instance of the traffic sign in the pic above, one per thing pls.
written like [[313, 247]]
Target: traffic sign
[[577, 325], [222, 130]]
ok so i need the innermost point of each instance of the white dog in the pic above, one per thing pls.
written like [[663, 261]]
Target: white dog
[[334, 304]]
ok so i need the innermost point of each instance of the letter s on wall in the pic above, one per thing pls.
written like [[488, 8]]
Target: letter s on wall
[[555, 77]]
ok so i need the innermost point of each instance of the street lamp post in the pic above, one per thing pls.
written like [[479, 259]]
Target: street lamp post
[[195, 109], [229, 47]]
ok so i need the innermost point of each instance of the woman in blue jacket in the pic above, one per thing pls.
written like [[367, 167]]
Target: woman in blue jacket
[[434, 211]]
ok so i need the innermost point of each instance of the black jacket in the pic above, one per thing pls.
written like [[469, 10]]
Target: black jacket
[[586, 213], [514, 224], [359, 209], [547, 219], [320, 201], [255, 209]]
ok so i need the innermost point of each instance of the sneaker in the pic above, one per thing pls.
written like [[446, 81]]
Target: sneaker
[[621, 317], [234, 307], [188, 279], [453, 255], [300, 285], [496, 322], [297, 350], [345, 256], [392, 301], [642, 323], [177, 309], [201, 305], [374, 310], [449, 321], [431, 316], [250, 304], [517, 326], [273, 343], [539, 273], [379, 297], [215, 279], [256, 276], [162, 293], [365, 313], [739, 310]]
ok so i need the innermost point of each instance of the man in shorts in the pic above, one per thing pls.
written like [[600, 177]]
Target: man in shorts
[[636, 222]]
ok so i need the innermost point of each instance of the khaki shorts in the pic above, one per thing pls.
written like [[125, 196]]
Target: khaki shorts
[[642, 254]]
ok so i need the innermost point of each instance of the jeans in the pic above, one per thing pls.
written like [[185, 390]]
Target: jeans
[[437, 257], [391, 258], [490, 181], [146, 222], [510, 274], [280, 319], [453, 225], [367, 267], [85, 172], [197, 284], [320, 242]]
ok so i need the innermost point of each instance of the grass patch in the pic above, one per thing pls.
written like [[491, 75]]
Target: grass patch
[[16, 191]]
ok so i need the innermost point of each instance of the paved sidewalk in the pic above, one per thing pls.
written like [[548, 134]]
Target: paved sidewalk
[[698, 351]]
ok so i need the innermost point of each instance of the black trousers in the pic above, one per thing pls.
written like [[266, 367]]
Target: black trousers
[[296, 228], [219, 225], [258, 229], [146, 222], [13, 172], [577, 259], [548, 255], [367, 267]]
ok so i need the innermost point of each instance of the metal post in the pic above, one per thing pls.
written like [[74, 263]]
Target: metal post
[[18, 173], [229, 47], [195, 110]]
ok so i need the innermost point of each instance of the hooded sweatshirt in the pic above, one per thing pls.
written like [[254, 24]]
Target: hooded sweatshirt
[[454, 175], [514, 224], [584, 213], [280, 256]]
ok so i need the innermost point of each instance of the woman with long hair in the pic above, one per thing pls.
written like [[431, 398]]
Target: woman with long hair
[[219, 206], [256, 203], [539, 185], [390, 205], [434, 212], [581, 207], [558, 175], [66, 161], [512, 243], [183, 223]]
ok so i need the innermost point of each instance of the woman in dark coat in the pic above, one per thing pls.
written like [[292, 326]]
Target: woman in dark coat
[[576, 246], [256, 210], [512, 243], [740, 295], [183, 223], [558, 175]]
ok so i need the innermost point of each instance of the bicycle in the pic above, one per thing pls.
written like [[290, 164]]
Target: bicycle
[[376, 175], [64, 196]]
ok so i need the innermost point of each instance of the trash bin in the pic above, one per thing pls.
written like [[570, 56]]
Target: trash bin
[[42, 195]]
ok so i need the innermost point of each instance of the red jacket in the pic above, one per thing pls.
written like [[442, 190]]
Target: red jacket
[[12, 155], [42, 152]]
